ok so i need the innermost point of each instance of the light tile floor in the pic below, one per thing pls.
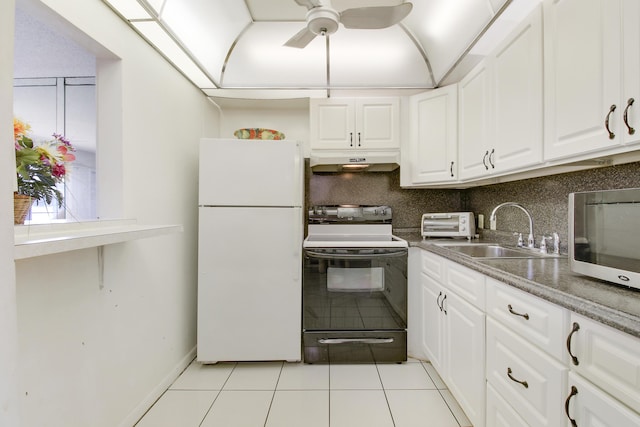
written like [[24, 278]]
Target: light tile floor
[[280, 394]]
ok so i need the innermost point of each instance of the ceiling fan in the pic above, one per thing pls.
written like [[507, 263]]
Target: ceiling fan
[[323, 20]]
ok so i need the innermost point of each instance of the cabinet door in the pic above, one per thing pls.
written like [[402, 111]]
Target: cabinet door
[[517, 97], [332, 124], [590, 406], [465, 356], [474, 115], [433, 136], [631, 70], [608, 358], [377, 123], [432, 323], [582, 76]]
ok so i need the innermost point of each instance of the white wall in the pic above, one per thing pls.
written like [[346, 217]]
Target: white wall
[[99, 357], [9, 414], [290, 117]]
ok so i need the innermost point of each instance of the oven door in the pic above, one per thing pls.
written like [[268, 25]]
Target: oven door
[[355, 304]]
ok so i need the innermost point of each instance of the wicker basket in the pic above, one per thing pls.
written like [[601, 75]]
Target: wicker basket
[[21, 206]]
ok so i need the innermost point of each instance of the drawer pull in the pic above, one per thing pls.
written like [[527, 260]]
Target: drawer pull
[[523, 383], [575, 329], [515, 313], [574, 391], [438, 301], [511, 377]]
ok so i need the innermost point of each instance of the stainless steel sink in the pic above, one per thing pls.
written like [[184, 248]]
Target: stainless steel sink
[[480, 250]]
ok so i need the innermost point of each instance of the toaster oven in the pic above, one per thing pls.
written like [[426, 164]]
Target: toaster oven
[[452, 224]]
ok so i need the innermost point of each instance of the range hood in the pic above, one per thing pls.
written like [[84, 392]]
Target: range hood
[[350, 161]]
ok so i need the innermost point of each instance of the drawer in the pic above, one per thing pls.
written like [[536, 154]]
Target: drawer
[[467, 283], [532, 382], [499, 413], [608, 358], [536, 320], [433, 266]]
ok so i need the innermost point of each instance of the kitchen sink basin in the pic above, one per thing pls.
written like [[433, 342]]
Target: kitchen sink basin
[[480, 250]]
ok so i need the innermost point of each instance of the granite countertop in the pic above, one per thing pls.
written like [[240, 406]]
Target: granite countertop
[[551, 279]]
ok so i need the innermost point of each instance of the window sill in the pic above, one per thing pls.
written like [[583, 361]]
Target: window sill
[[46, 239]]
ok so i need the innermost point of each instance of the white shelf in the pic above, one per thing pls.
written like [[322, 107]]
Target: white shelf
[[45, 239]]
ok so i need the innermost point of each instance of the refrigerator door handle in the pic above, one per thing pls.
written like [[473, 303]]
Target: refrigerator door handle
[[297, 249], [299, 172]]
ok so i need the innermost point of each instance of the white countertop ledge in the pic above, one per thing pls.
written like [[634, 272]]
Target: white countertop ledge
[[45, 239]]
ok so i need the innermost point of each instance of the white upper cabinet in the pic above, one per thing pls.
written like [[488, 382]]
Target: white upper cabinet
[[517, 97], [631, 71], [592, 72], [500, 106], [354, 124], [474, 118], [433, 138]]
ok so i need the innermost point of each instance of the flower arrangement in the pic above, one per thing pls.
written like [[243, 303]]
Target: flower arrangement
[[40, 167]]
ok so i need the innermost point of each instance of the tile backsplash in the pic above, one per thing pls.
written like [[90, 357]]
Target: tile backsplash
[[546, 198]]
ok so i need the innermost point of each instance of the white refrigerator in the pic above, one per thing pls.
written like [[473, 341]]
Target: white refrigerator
[[250, 250]]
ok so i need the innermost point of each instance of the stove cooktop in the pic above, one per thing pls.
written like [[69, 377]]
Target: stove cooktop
[[344, 214]]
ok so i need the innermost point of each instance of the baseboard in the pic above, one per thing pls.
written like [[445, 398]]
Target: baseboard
[[151, 398]]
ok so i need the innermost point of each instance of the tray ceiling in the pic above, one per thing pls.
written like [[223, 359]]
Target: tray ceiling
[[234, 46]]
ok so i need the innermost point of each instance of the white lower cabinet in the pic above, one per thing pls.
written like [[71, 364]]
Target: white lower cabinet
[[536, 320], [454, 332], [464, 356], [433, 322], [528, 379], [607, 357], [499, 413], [588, 406], [512, 359]]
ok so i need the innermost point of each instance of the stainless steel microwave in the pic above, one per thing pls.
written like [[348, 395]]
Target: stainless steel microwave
[[604, 235]]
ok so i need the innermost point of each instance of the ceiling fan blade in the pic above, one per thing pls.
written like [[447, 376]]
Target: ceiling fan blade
[[301, 39], [374, 17]]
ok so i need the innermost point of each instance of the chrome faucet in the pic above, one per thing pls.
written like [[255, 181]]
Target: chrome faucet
[[530, 241]]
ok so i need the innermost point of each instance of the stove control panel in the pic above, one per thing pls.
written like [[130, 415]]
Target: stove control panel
[[350, 214]]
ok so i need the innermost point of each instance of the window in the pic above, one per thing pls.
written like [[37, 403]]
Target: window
[[66, 106], [55, 91]]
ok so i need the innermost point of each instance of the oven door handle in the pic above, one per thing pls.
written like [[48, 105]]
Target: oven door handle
[[355, 340], [322, 255]]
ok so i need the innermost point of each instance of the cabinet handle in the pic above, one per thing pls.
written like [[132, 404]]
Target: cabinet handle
[[359, 140], [575, 329], [484, 160], [625, 116], [350, 139], [438, 301], [523, 383], [493, 151], [443, 300], [606, 121], [515, 313], [451, 169], [574, 391]]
